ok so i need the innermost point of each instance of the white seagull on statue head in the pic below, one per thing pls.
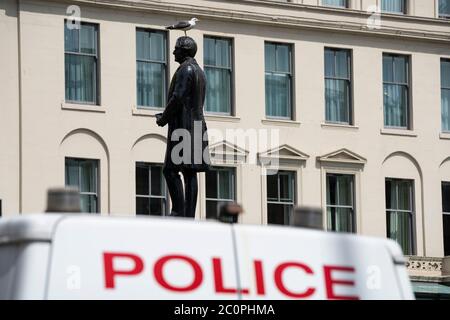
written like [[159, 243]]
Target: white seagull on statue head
[[184, 25]]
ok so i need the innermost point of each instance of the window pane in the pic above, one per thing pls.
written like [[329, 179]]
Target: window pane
[[446, 197], [88, 173], [445, 94], [330, 63], [142, 206], [142, 180], [286, 192], [156, 206], [331, 190], [444, 7], [80, 78], [445, 109], [404, 195], [395, 6], [225, 185], [209, 52], [400, 70], [278, 95], [278, 214], [337, 101], [151, 79], [342, 66], [269, 57], [211, 184], [157, 46], [447, 235], [395, 105], [391, 195], [345, 187], [400, 229], [340, 219], [223, 58], [88, 203], [272, 187], [388, 69], [156, 181], [142, 45], [88, 39], [218, 92], [335, 3], [71, 39], [211, 209], [72, 173], [283, 58]]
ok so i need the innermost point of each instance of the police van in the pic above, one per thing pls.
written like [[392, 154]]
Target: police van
[[60, 256]]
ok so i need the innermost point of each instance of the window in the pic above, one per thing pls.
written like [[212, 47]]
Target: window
[[393, 6], [220, 189], [396, 91], [335, 3], [151, 66], [81, 63], [340, 203], [218, 70], [444, 9], [400, 213], [445, 94], [278, 77], [280, 197], [338, 86], [446, 216], [151, 194], [83, 174]]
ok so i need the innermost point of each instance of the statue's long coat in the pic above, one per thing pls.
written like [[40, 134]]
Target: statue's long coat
[[184, 109]]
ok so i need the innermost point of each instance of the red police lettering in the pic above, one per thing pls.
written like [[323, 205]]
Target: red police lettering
[[111, 272], [279, 280], [259, 277], [159, 274], [330, 282], [218, 279]]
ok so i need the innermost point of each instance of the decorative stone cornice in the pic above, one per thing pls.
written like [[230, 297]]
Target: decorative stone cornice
[[291, 15], [426, 269]]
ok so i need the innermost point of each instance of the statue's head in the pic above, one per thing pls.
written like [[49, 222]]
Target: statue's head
[[185, 47]]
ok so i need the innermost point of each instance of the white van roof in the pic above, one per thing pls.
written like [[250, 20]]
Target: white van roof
[[124, 258], [30, 227]]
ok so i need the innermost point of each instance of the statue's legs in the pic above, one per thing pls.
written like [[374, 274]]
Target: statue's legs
[[175, 187], [190, 191]]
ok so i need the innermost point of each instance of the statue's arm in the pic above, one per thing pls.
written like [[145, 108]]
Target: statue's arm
[[183, 84]]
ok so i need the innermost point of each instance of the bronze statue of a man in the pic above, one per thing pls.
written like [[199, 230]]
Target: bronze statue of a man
[[187, 140]]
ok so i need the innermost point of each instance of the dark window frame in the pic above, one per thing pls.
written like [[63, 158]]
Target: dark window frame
[[408, 85], [351, 120], [231, 69], [166, 83], [220, 201], [291, 74], [97, 177], [279, 201], [412, 213], [97, 86], [165, 191], [353, 200]]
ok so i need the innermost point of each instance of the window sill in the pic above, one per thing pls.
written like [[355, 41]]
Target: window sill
[[224, 118], [145, 112], [83, 107], [339, 126], [444, 135], [280, 122], [398, 132]]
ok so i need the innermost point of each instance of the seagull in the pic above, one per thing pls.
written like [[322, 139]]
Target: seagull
[[184, 25]]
